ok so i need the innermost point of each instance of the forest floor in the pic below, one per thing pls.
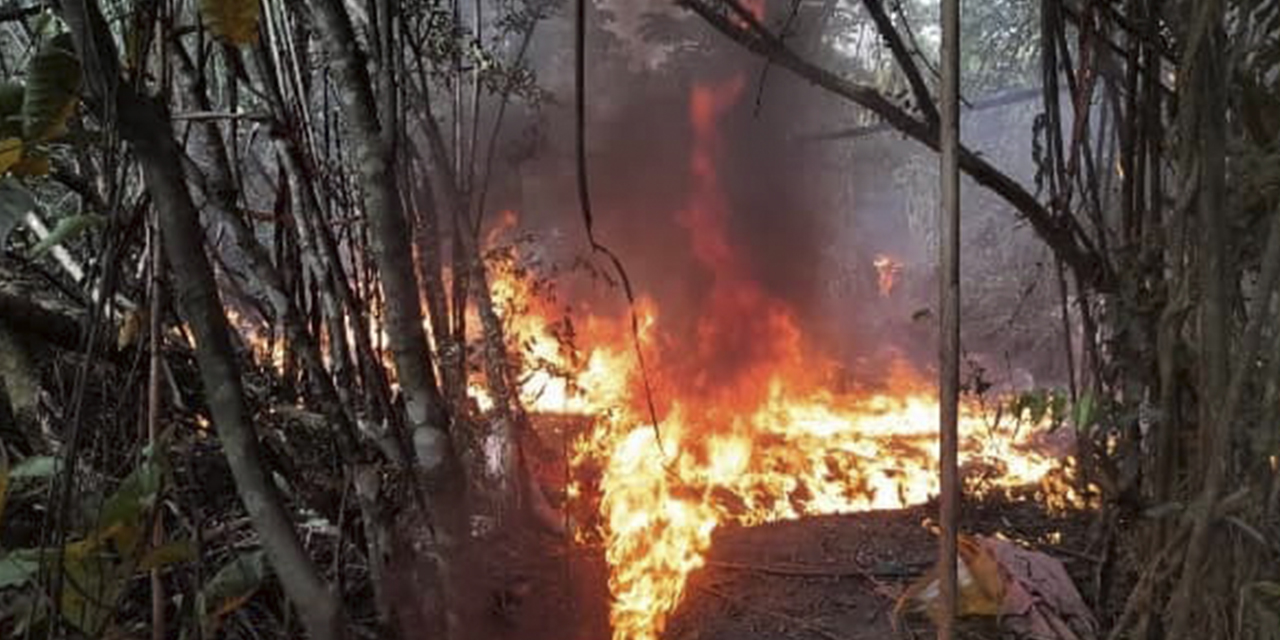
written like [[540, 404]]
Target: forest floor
[[832, 577]]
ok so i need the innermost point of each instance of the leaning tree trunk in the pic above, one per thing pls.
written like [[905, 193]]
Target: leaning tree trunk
[[143, 123]]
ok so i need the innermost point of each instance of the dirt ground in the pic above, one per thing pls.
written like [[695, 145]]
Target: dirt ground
[[833, 577]]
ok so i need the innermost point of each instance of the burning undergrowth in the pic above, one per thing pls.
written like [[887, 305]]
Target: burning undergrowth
[[741, 419]]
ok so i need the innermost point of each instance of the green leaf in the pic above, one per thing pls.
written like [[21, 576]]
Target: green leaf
[[1057, 410], [236, 21], [34, 468], [15, 203], [53, 89], [230, 588], [1039, 406], [67, 229], [1084, 412], [124, 514], [18, 567], [94, 583], [1265, 600], [169, 553]]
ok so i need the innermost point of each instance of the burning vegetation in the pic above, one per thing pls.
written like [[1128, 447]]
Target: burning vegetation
[[737, 422], [310, 325]]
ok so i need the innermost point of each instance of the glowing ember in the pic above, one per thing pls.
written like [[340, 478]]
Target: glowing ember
[[887, 269]]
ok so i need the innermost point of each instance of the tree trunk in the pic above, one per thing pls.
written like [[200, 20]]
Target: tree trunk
[[390, 239], [143, 123]]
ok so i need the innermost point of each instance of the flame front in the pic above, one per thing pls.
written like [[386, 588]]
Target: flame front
[[749, 431], [749, 428]]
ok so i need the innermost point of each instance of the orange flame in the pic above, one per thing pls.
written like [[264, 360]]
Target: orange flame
[[887, 269], [750, 432]]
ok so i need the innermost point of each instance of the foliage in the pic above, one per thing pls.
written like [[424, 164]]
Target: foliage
[[67, 229], [234, 20], [15, 202], [230, 588], [1260, 610], [52, 90], [33, 114], [100, 564]]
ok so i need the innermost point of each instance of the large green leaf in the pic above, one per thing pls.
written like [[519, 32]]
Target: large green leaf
[[53, 89], [34, 468], [125, 515], [94, 583], [1084, 412], [67, 228], [230, 588], [233, 20], [18, 567], [15, 203]]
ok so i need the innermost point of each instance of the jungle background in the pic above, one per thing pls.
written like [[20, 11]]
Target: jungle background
[[247, 255]]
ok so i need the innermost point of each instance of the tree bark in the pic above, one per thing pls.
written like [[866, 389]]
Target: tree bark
[[143, 123], [390, 238], [1204, 109]]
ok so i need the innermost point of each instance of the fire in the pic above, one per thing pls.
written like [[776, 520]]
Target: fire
[[748, 430], [887, 269]]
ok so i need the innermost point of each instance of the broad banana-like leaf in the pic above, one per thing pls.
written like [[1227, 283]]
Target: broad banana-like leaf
[[230, 588], [15, 203], [53, 89], [67, 229], [235, 21]]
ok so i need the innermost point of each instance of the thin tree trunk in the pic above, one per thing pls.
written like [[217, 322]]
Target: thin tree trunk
[[390, 239], [1205, 110], [143, 123]]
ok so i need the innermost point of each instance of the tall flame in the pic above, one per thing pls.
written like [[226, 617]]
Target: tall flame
[[750, 430]]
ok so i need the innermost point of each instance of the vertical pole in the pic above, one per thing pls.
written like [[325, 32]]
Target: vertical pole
[[949, 304], [155, 342]]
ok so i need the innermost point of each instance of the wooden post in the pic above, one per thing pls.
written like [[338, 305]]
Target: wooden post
[[155, 342], [949, 305]]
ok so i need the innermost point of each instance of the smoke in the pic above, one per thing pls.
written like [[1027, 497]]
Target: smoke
[[806, 220]]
